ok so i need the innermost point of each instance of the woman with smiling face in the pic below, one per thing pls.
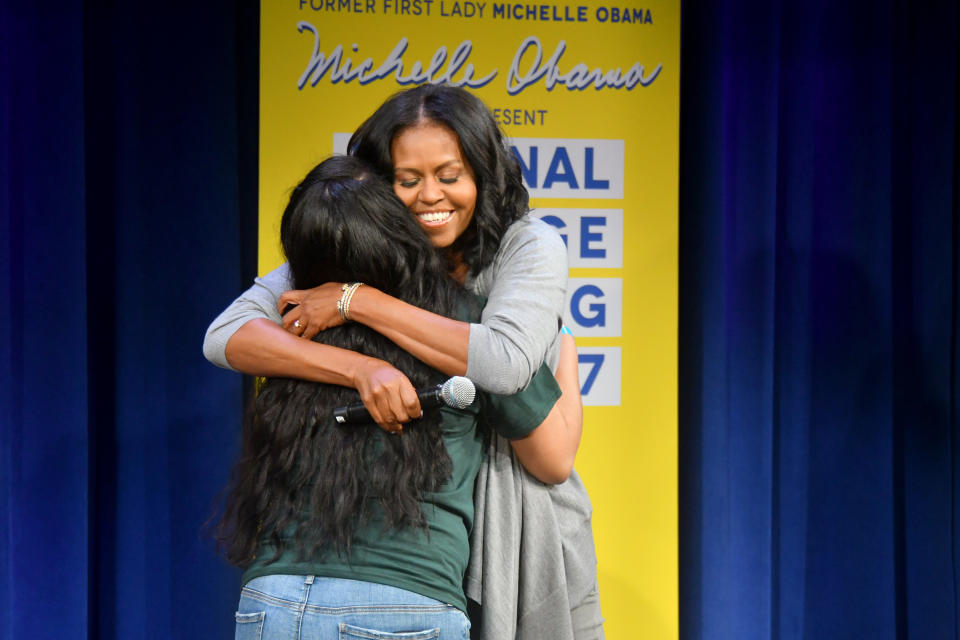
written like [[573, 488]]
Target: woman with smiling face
[[441, 196], [447, 161]]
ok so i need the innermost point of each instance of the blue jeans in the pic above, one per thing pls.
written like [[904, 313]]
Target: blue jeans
[[315, 608]]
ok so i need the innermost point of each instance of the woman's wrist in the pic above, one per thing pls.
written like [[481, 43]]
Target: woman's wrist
[[364, 303], [359, 366], [348, 290], [439, 341]]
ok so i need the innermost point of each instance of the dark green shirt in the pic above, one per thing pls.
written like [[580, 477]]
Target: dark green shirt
[[430, 561]]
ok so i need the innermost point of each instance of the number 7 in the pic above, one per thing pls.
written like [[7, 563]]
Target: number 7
[[594, 359]]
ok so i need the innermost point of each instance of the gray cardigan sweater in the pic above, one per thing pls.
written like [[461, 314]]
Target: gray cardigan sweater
[[526, 533], [524, 286]]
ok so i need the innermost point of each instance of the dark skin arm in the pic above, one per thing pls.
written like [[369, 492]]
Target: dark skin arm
[[436, 340], [550, 449], [262, 348]]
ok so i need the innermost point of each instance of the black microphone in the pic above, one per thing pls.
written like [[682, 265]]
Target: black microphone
[[457, 392]]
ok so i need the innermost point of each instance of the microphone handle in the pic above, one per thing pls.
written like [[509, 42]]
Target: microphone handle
[[431, 397], [356, 412]]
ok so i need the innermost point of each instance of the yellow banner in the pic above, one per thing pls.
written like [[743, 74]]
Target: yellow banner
[[589, 95]]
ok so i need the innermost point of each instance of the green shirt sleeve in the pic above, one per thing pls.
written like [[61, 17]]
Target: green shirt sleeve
[[515, 416]]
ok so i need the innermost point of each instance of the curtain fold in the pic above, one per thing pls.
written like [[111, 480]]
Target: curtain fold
[[818, 320], [43, 384], [128, 138]]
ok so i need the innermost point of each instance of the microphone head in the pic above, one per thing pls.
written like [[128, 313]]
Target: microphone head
[[458, 392]]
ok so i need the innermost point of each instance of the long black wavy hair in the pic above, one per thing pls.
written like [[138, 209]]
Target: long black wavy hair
[[501, 196], [303, 479]]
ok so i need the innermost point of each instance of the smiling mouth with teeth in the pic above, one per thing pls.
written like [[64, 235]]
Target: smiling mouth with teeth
[[434, 218]]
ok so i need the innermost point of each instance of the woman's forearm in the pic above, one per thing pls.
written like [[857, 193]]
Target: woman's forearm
[[438, 341], [262, 348], [568, 377], [549, 451]]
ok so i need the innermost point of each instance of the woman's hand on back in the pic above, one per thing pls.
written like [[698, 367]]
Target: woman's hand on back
[[315, 310], [387, 394]]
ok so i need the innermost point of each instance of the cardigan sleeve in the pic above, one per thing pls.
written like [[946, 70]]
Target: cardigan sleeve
[[259, 301], [525, 289]]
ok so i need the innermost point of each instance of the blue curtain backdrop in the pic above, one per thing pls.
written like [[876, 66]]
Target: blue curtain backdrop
[[818, 306], [126, 175], [819, 276]]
